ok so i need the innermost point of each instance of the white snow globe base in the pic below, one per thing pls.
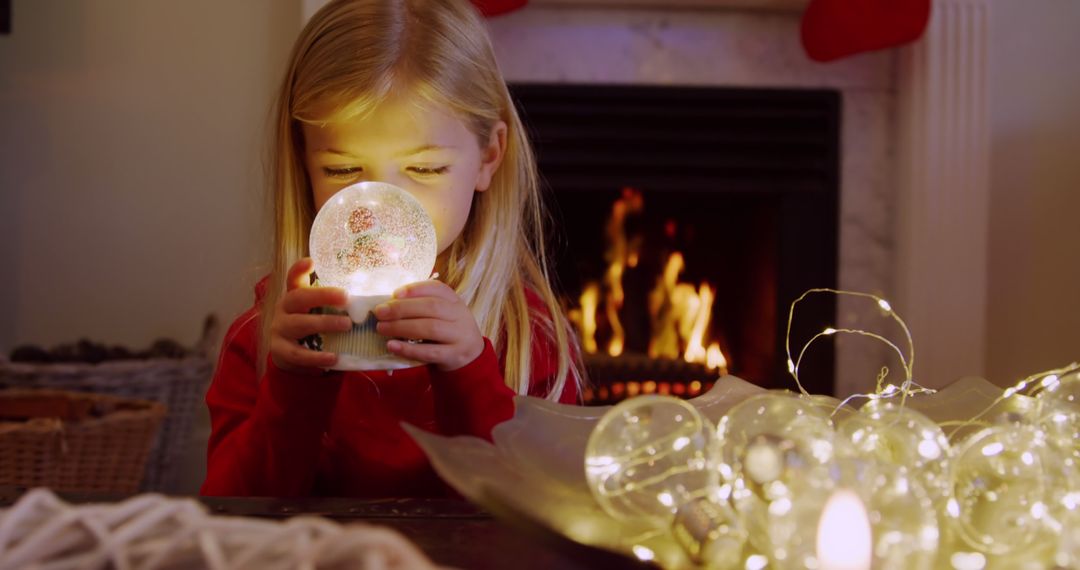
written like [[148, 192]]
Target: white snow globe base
[[362, 348]]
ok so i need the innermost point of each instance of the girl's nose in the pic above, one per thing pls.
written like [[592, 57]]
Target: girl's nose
[[390, 178], [384, 175]]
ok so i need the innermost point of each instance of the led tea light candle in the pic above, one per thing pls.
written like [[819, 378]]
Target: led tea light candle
[[844, 539], [369, 239]]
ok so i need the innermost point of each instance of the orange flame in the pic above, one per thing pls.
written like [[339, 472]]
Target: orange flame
[[714, 359], [695, 341], [668, 302], [679, 312], [585, 317], [619, 255]]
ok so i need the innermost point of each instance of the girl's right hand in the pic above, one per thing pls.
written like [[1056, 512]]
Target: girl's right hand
[[292, 321]]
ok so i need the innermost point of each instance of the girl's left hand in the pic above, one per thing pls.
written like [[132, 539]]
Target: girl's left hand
[[430, 311]]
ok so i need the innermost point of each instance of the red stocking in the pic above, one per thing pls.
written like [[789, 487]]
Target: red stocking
[[832, 29], [496, 7]]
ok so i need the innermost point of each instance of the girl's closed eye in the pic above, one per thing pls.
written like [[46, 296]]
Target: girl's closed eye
[[429, 170], [341, 172]]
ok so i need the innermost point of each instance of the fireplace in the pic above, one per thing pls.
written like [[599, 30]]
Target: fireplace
[[686, 220]]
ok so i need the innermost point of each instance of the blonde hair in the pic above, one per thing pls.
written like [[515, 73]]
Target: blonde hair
[[354, 54]]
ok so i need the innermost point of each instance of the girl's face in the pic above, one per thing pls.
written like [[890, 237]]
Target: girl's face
[[425, 150]]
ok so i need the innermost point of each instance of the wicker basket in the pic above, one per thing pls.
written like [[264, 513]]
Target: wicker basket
[[74, 441], [179, 384]]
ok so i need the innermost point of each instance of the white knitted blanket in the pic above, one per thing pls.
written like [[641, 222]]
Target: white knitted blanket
[[155, 532]]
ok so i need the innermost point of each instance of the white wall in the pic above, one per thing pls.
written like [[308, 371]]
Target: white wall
[[1034, 297], [131, 164], [131, 174]]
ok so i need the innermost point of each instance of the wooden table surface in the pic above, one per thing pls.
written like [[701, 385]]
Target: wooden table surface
[[451, 532]]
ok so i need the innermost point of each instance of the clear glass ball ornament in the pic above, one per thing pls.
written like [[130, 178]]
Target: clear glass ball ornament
[[650, 455], [766, 442], [1067, 553], [1065, 390], [766, 434], [1005, 480], [1059, 418], [889, 433], [903, 518], [652, 460], [1059, 415]]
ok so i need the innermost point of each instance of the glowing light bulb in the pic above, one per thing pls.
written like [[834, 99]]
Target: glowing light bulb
[[369, 239], [649, 455], [652, 460], [762, 436], [998, 474], [885, 431], [844, 538], [1060, 411], [767, 442]]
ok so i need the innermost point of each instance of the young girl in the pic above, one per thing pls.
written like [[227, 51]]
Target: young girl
[[405, 92]]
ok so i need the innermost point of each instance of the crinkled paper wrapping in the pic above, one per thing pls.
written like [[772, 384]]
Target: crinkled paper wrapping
[[535, 469]]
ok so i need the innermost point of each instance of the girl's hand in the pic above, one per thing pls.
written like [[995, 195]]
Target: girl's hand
[[293, 322], [430, 311]]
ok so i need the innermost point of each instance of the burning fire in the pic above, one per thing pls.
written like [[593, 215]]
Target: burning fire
[[679, 312]]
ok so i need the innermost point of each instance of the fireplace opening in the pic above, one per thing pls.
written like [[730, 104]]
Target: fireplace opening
[[688, 219]]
